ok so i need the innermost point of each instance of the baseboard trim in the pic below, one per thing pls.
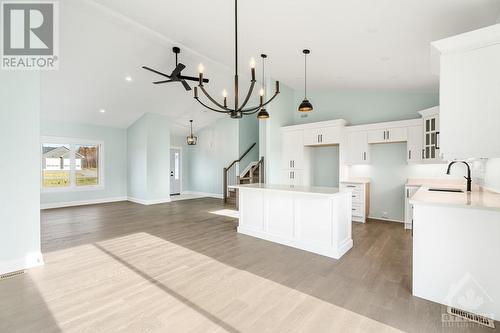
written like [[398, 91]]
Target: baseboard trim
[[204, 194], [148, 202], [384, 219], [30, 260], [81, 202]]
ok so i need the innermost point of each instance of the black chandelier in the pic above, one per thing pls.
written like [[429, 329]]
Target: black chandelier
[[191, 139], [239, 110]]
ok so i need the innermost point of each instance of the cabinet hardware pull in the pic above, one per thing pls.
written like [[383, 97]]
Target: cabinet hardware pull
[[423, 154], [409, 154], [437, 141], [364, 156], [321, 137], [318, 137], [388, 135], [351, 186], [407, 193], [384, 135]]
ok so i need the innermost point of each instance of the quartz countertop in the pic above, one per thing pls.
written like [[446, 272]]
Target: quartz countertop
[[329, 191], [477, 199], [436, 182], [357, 180]]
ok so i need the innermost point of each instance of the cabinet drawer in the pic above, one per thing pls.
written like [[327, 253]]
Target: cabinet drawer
[[354, 187], [358, 210], [358, 197]]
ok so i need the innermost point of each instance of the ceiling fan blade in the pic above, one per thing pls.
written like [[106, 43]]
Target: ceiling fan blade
[[160, 82], [186, 86], [177, 71], [155, 71], [192, 78]]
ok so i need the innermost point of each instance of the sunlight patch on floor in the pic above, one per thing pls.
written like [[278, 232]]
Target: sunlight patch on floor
[[142, 282], [227, 212]]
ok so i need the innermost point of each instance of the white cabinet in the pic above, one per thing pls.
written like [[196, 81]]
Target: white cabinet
[[431, 140], [294, 154], [470, 94], [414, 144], [398, 134], [409, 192], [358, 151], [360, 193], [322, 136], [294, 177]]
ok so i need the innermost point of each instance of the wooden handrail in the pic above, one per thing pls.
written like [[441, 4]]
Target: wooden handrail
[[242, 156]]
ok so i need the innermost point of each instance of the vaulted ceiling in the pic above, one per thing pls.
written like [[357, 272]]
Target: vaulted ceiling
[[356, 44]]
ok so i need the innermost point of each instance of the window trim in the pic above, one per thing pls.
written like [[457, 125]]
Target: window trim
[[72, 142]]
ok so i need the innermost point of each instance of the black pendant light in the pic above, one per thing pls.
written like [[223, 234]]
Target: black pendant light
[[263, 114], [305, 106], [192, 140]]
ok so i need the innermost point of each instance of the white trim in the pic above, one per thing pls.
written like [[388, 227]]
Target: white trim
[[30, 260], [205, 194], [148, 202], [51, 205], [72, 142], [385, 219]]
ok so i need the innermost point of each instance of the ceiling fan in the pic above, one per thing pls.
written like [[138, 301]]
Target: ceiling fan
[[176, 75]]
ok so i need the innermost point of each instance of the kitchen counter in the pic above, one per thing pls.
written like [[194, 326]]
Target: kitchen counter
[[436, 182], [359, 180], [478, 199]]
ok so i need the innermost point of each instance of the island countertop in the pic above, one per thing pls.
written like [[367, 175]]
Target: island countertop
[[325, 191]]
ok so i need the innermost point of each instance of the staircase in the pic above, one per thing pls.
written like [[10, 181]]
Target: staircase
[[253, 173]]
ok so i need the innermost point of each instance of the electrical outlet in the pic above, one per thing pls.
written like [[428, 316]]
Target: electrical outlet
[[384, 215]]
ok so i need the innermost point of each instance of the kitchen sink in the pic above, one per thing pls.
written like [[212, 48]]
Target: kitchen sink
[[452, 190]]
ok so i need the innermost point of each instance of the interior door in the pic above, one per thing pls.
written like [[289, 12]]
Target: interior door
[[175, 171]]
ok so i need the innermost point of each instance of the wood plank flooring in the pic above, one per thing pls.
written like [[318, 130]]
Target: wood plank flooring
[[180, 267]]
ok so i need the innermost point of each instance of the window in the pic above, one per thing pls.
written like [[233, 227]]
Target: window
[[71, 164]]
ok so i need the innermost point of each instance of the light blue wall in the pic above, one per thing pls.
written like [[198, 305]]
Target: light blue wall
[[364, 107], [325, 166], [115, 160], [217, 147], [148, 156], [20, 167], [248, 134]]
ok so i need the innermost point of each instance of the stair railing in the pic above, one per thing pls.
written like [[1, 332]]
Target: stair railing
[[230, 176]]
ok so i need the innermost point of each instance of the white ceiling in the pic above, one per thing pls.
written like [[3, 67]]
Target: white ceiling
[[356, 44]]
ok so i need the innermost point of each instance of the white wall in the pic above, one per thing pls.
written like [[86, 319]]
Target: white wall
[[20, 169], [492, 174], [114, 162]]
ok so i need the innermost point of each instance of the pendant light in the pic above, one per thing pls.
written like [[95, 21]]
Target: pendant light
[[305, 106], [192, 140], [263, 114]]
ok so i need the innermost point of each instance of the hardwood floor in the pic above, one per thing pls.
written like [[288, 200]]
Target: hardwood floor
[[181, 267]]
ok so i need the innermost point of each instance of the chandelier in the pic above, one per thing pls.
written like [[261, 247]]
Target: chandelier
[[239, 110], [191, 139]]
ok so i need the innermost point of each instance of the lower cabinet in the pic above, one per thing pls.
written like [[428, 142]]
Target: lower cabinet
[[360, 199], [409, 192], [295, 177]]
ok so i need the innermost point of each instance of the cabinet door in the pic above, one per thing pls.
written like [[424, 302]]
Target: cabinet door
[[398, 134], [414, 145], [330, 135], [377, 136], [431, 148], [409, 192], [358, 149], [312, 137], [293, 149], [293, 177]]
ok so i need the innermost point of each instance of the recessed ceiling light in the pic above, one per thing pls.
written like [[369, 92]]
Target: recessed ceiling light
[[102, 111], [128, 78]]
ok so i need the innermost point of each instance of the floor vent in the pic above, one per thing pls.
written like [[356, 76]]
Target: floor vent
[[11, 274], [472, 317]]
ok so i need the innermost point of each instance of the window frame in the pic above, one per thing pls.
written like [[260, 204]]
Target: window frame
[[72, 142]]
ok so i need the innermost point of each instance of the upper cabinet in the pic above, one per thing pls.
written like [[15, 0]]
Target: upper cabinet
[[469, 69], [414, 146], [431, 148], [322, 136], [358, 151], [386, 135], [294, 155]]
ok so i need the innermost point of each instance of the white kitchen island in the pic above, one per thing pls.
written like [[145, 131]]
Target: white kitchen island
[[314, 219]]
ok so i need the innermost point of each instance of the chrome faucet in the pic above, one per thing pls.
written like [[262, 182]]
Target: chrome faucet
[[469, 179]]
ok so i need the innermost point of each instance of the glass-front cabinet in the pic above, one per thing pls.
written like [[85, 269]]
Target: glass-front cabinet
[[431, 150]]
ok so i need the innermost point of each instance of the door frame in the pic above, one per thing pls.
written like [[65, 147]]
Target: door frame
[[180, 166]]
